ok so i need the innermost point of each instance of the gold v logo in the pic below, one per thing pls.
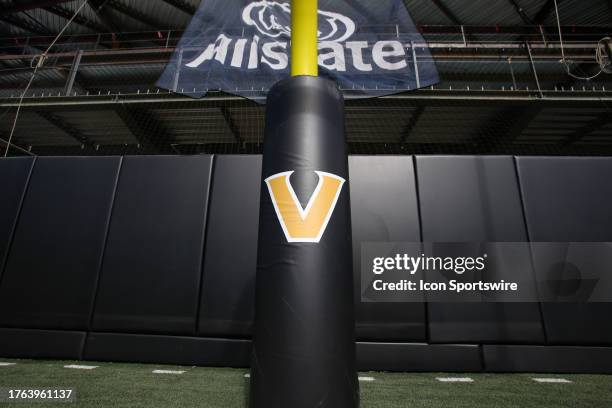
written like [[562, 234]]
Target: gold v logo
[[304, 224]]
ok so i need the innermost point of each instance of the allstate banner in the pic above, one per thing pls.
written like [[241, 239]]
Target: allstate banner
[[243, 47]]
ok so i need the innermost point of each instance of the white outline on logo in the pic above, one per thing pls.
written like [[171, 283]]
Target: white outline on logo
[[304, 211], [332, 19]]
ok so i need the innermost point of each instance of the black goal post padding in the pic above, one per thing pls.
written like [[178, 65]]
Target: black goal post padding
[[304, 335]]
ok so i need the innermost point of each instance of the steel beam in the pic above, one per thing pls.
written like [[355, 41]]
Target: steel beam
[[439, 96], [79, 19], [446, 11], [533, 69], [73, 73], [390, 148], [439, 51], [137, 15], [67, 128], [102, 12], [138, 121], [24, 24], [101, 8], [584, 34], [229, 121], [602, 119], [414, 119], [182, 5], [4, 142], [353, 147], [544, 11], [16, 7], [521, 12], [505, 127]]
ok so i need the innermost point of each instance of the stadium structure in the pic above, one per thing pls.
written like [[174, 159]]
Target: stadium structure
[[503, 89], [512, 145]]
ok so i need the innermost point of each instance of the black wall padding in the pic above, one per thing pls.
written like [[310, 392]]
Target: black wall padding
[[472, 199], [384, 208], [51, 271], [548, 359], [570, 200], [168, 349], [230, 261], [151, 272], [418, 357], [236, 353], [28, 343], [14, 174]]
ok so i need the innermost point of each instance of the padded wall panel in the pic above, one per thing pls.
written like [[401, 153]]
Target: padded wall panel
[[548, 359], [384, 208], [418, 357], [237, 353], [53, 264], [151, 272], [472, 199], [14, 174], [168, 349], [569, 200], [228, 289], [25, 343]]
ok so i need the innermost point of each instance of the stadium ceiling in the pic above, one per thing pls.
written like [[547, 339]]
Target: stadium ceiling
[[48, 17], [502, 87]]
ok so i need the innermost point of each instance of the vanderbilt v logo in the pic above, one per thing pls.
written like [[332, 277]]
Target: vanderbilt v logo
[[304, 224]]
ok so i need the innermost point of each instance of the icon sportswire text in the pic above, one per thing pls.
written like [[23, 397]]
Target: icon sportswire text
[[304, 224]]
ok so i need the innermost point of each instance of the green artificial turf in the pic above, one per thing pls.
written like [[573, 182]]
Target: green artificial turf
[[134, 385]]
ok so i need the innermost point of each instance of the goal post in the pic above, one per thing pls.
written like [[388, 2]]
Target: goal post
[[304, 331]]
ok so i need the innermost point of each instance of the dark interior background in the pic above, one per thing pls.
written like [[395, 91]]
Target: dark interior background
[[502, 90]]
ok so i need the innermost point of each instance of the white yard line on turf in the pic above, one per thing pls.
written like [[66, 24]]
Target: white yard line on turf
[[6, 364], [366, 379], [455, 379], [168, 372], [552, 380], [80, 367]]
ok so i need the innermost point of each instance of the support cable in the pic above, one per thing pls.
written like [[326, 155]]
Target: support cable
[[36, 63], [600, 53]]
